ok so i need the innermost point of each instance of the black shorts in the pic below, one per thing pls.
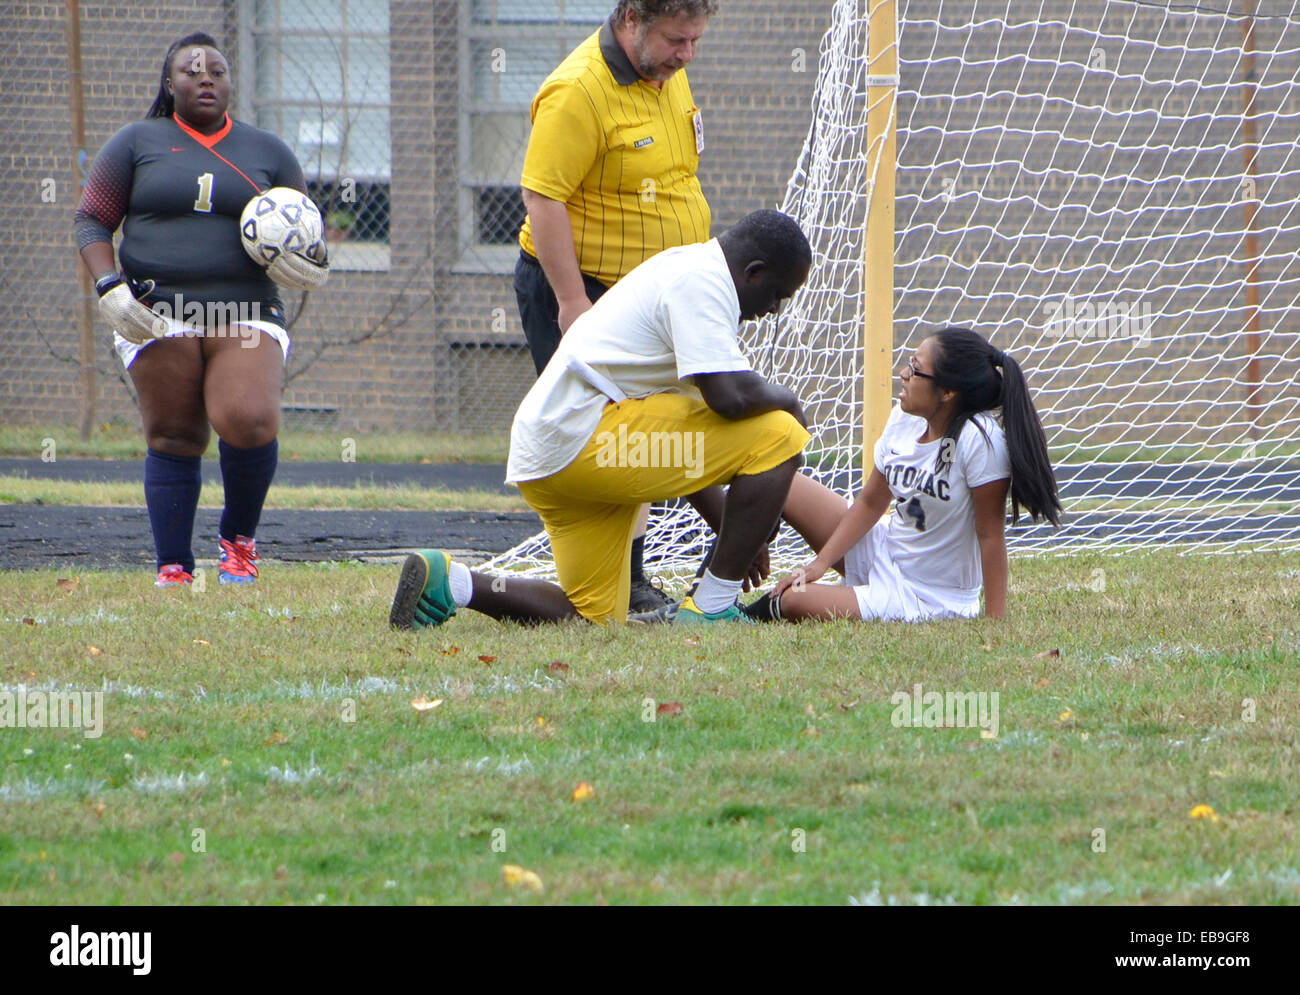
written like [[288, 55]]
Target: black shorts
[[539, 310]]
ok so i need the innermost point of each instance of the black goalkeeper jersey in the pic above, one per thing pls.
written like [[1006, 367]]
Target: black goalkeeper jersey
[[178, 195]]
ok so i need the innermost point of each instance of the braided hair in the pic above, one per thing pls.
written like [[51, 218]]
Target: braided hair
[[164, 104], [986, 378]]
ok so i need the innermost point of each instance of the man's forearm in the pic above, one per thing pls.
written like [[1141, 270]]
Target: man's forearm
[[745, 395], [771, 397], [553, 240]]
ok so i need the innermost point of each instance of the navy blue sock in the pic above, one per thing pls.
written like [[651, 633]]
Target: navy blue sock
[[171, 492], [247, 475]]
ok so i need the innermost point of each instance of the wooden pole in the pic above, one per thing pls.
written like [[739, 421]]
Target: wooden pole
[[1250, 149], [878, 247], [85, 314]]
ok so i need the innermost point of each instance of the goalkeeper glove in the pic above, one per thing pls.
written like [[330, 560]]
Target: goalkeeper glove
[[126, 315], [295, 271]]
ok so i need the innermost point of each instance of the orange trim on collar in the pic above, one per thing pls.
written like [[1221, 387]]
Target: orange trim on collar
[[207, 141]]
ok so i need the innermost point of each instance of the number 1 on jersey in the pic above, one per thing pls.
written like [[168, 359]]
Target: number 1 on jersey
[[204, 203]]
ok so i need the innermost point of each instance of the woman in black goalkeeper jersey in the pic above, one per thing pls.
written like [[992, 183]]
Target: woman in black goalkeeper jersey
[[198, 324]]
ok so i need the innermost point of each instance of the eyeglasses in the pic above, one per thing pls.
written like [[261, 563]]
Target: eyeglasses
[[909, 371]]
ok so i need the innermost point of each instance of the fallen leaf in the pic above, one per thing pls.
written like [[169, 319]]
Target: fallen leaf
[[98, 808], [1041, 682], [68, 583], [225, 761], [94, 650], [1052, 654], [558, 667], [692, 640], [514, 876], [1065, 716], [670, 708], [138, 733], [425, 705], [583, 792], [451, 651], [29, 621], [276, 739], [402, 650], [1203, 812], [848, 706], [281, 872], [486, 659], [201, 642]]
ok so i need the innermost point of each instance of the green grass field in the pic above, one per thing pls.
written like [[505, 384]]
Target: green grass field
[[361, 497], [114, 440], [260, 746]]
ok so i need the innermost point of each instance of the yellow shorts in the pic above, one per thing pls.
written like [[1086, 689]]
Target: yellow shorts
[[644, 450]]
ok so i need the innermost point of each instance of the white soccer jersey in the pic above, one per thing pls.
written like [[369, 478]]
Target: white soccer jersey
[[930, 535]]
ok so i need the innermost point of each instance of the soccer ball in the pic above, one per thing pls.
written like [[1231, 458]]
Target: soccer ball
[[282, 220]]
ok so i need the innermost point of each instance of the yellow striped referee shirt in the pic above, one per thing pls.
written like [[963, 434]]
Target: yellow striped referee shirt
[[620, 154]]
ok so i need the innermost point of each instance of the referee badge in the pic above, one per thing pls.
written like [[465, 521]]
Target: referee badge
[[698, 120]]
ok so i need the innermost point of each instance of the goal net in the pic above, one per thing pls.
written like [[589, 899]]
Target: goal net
[[1110, 191]]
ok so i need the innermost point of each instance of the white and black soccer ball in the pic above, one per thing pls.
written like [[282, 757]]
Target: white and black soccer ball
[[282, 220]]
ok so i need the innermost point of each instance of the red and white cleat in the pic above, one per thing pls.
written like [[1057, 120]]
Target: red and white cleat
[[173, 575], [238, 561]]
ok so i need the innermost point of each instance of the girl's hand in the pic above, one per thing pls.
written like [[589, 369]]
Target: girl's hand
[[804, 575]]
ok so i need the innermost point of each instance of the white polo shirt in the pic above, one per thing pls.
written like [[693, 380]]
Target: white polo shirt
[[672, 317]]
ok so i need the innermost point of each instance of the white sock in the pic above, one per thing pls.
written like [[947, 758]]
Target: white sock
[[462, 584], [715, 594]]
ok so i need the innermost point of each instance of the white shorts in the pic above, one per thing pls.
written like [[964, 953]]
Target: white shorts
[[127, 351], [883, 592]]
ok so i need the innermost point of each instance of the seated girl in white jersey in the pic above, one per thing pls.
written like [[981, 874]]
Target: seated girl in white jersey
[[946, 465]]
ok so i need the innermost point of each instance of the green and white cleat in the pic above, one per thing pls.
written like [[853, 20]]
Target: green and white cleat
[[423, 595], [689, 614]]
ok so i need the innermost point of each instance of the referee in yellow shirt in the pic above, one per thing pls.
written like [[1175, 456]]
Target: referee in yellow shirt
[[610, 177]]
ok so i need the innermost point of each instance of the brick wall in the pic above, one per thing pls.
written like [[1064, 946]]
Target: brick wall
[[437, 341]]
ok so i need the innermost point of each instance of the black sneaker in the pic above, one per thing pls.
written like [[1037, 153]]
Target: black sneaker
[[646, 597], [663, 615]]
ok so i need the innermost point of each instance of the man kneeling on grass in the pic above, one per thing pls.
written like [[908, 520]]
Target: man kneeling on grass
[[647, 398]]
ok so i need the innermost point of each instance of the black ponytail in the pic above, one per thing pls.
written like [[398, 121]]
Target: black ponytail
[[164, 104], [965, 362]]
